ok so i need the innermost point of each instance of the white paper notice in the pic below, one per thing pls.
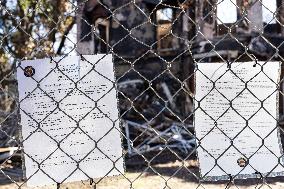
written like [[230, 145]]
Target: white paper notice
[[232, 134], [73, 103]]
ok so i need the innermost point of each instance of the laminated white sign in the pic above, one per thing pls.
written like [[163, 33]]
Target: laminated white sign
[[69, 118], [236, 120]]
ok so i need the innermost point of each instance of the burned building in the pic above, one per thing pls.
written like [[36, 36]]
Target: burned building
[[161, 40]]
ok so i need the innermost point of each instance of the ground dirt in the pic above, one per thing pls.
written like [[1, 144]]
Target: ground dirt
[[164, 172]]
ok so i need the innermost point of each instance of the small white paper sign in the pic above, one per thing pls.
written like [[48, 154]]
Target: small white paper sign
[[73, 103], [232, 134]]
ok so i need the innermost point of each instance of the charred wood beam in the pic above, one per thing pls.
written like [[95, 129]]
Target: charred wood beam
[[85, 36], [280, 16], [255, 17], [205, 14], [250, 14], [256, 44], [88, 13]]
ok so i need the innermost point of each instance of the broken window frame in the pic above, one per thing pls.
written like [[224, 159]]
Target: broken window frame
[[258, 26], [161, 36]]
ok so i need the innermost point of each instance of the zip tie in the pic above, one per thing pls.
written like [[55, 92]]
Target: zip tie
[[230, 182], [91, 181], [254, 65], [228, 64]]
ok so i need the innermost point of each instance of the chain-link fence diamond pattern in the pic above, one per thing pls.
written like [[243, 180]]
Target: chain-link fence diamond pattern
[[156, 47]]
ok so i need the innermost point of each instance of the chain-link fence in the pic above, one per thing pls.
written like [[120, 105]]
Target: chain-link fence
[[156, 46]]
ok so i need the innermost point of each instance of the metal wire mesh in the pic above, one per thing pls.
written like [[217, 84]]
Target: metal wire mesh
[[156, 47]]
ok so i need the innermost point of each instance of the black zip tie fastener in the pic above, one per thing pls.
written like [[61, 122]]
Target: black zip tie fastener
[[91, 181], [228, 64], [261, 177], [255, 62], [58, 186], [229, 184], [82, 57]]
